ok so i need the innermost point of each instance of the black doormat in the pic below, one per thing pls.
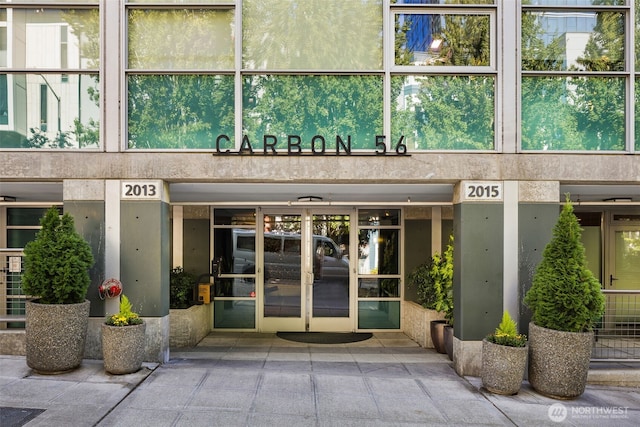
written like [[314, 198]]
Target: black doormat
[[325, 337], [16, 417]]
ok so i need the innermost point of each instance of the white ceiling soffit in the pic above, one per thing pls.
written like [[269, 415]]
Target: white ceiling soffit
[[51, 192], [601, 194], [31, 192], [321, 193]]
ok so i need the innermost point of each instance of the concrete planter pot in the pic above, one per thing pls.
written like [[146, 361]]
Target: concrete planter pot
[[55, 336], [503, 367], [559, 361], [123, 348], [437, 335]]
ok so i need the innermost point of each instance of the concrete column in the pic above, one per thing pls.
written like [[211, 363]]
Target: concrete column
[[478, 269], [510, 296], [178, 236], [538, 211], [145, 262]]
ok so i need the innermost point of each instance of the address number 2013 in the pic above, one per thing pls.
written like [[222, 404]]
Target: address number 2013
[[483, 191], [140, 190]]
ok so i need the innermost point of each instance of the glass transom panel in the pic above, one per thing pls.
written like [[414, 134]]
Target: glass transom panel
[[312, 34], [181, 39]]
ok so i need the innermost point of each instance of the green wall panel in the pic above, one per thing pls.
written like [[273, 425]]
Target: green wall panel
[[478, 269], [144, 255], [535, 225], [88, 217], [196, 240]]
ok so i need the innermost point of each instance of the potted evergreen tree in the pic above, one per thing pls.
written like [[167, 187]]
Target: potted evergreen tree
[[123, 340], [504, 358], [566, 300], [56, 274]]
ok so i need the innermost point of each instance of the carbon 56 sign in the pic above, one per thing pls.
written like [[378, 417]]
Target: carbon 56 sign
[[482, 191], [147, 190]]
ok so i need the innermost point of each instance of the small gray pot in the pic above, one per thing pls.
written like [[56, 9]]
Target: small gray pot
[[503, 367], [123, 348]]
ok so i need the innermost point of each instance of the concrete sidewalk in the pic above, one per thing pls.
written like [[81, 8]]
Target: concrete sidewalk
[[262, 380]]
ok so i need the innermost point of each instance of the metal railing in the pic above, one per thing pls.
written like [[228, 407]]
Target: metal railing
[[617, 335], [12, 299]]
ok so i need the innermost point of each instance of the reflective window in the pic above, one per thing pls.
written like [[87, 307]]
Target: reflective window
[[181, 39], [54, 38], [575, 2], [181, 2], [310, 112], [378, 314], [53, 1], [375, 217], [312, 35], [573, 113], [53, 100], [442, 39], [49, 111], [573, 40], [181, 111], [234, 216], [25, 216], [444, 112], [234, 261], [238, 314], [436, 2], [637, 115], [378, 288], [378, 251], [568, 103], [378, 271]]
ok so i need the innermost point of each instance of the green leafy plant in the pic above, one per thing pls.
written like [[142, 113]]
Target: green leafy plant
[[507, 333], [420, 277], [181, 284], [434, 282], [565, 295], [57, 262], [126, 316]]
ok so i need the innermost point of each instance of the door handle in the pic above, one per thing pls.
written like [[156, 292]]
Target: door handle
[[611, 279]]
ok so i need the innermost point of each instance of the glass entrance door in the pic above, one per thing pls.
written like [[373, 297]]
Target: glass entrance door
[[306, 271], [624, 275], [330, 287]]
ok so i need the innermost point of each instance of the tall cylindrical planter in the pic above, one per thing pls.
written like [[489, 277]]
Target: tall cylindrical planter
[[437, 335], [503, 367], [559, 361], [123, 348], [55, 336]]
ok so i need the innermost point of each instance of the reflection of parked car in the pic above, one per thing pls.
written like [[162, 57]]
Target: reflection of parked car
[[282, 256]]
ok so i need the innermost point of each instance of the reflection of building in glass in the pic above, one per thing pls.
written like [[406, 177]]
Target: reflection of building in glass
[[40, 107], [420, 36], [571, 29]]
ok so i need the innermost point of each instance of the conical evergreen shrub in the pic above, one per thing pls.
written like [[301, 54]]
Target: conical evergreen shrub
[[565, 295], [57, 262]]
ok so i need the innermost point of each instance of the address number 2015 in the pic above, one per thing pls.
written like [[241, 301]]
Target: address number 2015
[[483, 191], [140, 190]]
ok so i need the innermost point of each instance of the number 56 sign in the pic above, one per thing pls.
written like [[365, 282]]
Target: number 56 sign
[[482, 190]]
